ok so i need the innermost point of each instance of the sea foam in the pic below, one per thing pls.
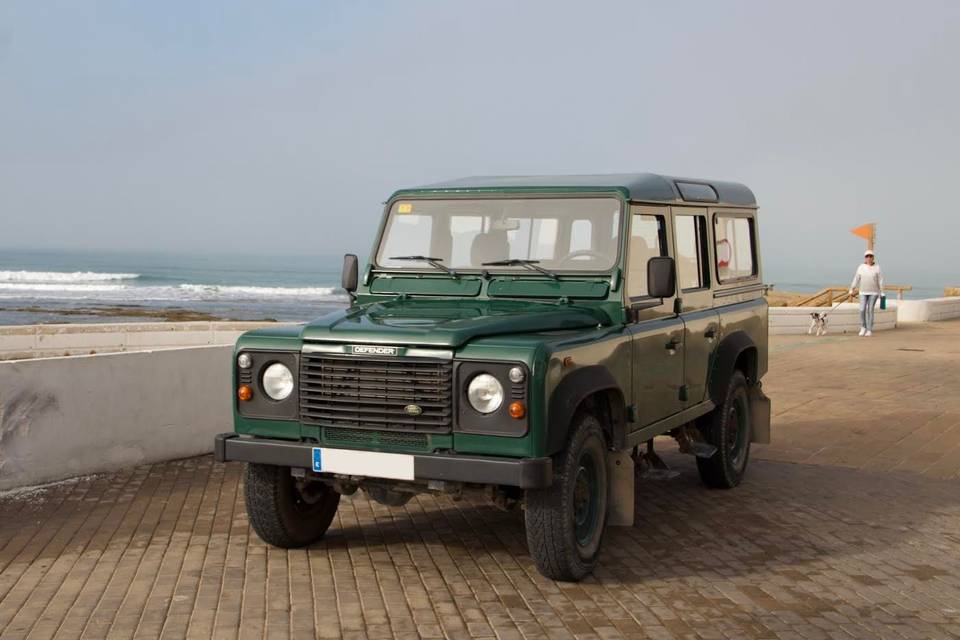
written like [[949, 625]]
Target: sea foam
[[60, 287], [228, 291], [63, 277], [116, 292]]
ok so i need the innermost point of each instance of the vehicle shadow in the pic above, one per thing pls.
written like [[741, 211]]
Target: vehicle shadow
[[783, 516]]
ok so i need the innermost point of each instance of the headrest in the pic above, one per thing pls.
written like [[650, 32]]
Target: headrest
[[489, 247]]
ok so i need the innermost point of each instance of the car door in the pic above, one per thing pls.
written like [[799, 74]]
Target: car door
[[657, 333], [701, 321]]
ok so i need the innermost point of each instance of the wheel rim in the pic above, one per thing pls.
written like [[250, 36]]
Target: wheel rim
[[307, 497], [737, 436], [585, 501]]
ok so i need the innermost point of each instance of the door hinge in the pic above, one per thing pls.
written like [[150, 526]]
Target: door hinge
[[683, 393], [631, 413]]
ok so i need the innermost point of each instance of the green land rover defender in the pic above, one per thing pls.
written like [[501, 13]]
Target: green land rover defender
[[521, 336]]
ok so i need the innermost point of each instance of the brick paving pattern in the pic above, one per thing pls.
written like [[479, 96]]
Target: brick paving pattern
[[848, 526]]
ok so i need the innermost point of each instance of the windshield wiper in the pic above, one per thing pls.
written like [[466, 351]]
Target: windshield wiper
[[433, 262], [533, 265]]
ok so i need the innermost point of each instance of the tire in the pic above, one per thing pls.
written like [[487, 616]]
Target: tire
[[728, 429], [282, 514], [565, 522]]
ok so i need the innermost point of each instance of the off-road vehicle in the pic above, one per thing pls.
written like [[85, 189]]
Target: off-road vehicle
[[523, 336]]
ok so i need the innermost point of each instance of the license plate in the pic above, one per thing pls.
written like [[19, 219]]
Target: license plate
[[395, 466]]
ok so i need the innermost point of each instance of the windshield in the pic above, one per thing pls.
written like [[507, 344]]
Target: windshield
[[559, 234]]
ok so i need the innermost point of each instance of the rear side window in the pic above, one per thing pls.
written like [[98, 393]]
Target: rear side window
[[691, 251], [735, 250]]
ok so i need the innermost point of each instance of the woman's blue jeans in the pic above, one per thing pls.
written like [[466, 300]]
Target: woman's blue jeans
[[867, 303]]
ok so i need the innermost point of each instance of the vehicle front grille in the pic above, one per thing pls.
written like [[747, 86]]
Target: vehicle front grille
[[375, 393], [366, 438]]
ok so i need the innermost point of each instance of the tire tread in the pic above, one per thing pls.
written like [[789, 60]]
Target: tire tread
[[266, 490], [550, 540], [715, 471]]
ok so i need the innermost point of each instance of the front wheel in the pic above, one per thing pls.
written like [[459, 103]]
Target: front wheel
[[728, 429], [565, 522], [284, 512]]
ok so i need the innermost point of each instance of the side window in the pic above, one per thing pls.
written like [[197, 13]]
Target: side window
[[735, 248], [691, 252], [648, 239], [463, 230], [581, 235], [533, 238], [544, 239]]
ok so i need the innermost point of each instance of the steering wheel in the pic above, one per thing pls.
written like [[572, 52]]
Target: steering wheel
[[573, 255]]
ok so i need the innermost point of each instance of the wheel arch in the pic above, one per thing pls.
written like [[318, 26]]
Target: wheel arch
[[736, 351], [595, 388]]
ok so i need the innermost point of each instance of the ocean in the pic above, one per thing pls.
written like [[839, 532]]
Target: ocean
[[118, 286]]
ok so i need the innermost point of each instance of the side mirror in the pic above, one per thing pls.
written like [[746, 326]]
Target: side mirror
[[661, 277], [348, 277]]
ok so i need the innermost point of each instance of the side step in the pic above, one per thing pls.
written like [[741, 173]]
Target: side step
[[650, 465], [691, 441]]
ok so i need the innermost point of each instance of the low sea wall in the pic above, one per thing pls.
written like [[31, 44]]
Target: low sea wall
[[843, 319], [70, 416], [43, 340], [929, 310], [62, 417]]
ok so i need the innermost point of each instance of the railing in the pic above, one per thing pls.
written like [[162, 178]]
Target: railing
[[834, 295]]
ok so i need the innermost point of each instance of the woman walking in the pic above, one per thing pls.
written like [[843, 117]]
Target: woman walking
[[869, 280]]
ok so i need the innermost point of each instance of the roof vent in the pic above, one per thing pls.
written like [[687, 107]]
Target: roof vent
[[697, 192]]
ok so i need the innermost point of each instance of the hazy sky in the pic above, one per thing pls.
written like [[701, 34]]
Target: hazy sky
[[282, 126]]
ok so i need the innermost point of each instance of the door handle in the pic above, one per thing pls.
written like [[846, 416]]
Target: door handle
[[673, 344], [711, 333]]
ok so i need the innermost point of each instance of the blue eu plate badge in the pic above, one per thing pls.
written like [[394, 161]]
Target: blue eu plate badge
[[317, 466]]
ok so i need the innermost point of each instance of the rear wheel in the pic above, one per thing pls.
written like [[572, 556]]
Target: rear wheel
[[728, 429], [565, 522], [284, 512]]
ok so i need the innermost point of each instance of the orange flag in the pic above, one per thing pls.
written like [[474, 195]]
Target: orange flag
[[865, 231]]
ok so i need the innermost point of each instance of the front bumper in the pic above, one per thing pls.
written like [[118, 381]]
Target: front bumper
[[526, 473]]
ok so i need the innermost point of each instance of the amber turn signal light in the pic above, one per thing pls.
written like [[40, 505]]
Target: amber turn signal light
[[244, 393], [517, 410]]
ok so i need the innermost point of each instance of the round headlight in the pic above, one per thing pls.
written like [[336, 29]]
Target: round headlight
[[515, 374], [244, 361], [485, 393], [277, 381]]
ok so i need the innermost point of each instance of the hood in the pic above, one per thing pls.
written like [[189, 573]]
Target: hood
[[446, 323]]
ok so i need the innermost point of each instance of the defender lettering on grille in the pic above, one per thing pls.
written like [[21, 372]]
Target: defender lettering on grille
[[372, 350]]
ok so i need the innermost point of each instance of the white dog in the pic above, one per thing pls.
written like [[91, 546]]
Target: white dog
[[818, 323]]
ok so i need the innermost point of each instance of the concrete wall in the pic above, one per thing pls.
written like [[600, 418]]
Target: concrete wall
[[42, 340], [844, 319], [64, 417], [930, 310]]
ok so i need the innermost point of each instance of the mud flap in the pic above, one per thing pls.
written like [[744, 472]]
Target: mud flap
[[759, 415], [620, 501]]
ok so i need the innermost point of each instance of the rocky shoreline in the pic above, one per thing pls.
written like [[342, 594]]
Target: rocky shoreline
[[133, 312]]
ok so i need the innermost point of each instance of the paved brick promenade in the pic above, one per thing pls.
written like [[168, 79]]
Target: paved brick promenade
[[847, 527]]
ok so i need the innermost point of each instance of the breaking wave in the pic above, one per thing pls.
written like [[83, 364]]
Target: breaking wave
[[63, 277], [259, 292], [36, 287], [104, 292]]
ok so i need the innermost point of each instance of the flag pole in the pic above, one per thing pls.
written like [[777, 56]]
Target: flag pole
[[868, 232]]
